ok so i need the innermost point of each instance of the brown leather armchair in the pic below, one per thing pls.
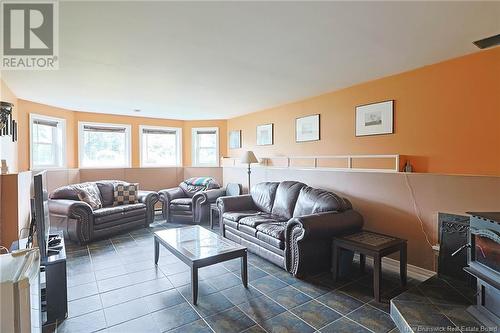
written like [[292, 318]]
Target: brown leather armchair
[[289, 224], [188, 202], [82, 224]]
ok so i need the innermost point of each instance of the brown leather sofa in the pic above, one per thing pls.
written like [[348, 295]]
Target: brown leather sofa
[[82, 224], [186, 203], [289, 223]]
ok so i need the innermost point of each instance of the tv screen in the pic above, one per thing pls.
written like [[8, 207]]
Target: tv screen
[[42, 216]]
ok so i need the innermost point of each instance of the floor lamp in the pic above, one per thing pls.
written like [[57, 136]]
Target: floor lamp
[[248, 157]]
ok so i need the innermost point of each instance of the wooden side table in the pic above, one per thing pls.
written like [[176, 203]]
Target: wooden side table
[[213, 210], [376, 245]]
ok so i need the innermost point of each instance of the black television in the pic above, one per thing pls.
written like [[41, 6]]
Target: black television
[[41, 214]]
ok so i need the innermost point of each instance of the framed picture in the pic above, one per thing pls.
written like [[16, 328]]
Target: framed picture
[[307, 128], [375, 119], [234, 139], [265, 135]]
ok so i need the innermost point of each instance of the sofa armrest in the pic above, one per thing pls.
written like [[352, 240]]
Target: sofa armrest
[[149, 198], [209, 196], [201, 203], [65, 207], [78, 210], [213, 195], [326, 225], [171, 194], [166, 196], [308, 239], [233, 204], [145, 196]]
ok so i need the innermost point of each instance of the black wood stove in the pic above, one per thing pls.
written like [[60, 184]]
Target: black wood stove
[[484, 264]]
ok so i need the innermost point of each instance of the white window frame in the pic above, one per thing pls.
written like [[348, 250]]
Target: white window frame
[[194, 147], [128, 143], [178, 134], [62, 145]]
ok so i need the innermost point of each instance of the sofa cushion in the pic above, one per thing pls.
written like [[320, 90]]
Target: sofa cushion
[[272, 234], [66, 192], [247, 230], [313, 200], [118, 209], [121, 222], [275, 230], [107, 189], [236, 216], [286, 197], [231, 224], [183, 204], [107, 214], [270, 242], [263, 195], [255, 220], [182, 201]]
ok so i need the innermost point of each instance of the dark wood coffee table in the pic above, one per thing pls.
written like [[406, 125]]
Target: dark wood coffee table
[[375, 245], [198, 247]]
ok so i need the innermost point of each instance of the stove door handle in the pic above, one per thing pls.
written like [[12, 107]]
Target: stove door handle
[[460, 249]]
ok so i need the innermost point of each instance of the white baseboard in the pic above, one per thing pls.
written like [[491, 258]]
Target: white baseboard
[[414, 272]]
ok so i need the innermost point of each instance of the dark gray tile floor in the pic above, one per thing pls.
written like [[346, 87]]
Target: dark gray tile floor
[[114, 286], [439, 302]]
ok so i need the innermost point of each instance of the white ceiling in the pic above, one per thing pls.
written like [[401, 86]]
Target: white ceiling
[[209, 60]]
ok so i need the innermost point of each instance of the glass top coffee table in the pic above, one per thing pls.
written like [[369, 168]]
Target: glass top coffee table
[[198, 247]]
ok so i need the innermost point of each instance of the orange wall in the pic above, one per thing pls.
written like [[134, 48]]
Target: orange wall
[[73, 117], [186, 133], [447, 118]]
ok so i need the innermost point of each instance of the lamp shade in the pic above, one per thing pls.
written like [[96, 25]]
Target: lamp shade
[[248, 157]]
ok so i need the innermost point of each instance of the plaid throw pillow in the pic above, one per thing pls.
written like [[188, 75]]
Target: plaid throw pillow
[[89, 193], [125, 194]]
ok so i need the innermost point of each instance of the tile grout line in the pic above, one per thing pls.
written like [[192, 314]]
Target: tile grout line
[[100, 300], [234, 305], [237, 306], [102, 305], [345, 316], [87, 249], [186, 300], [198, 313], [286, 310], [141, 297], [363, 303]]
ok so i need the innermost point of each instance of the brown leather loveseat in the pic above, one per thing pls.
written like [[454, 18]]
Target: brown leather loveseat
[[288, 223], [82, 224]]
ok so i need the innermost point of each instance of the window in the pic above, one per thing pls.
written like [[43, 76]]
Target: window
[[160, 146], [205, 146], [103, 145], [47, 143]]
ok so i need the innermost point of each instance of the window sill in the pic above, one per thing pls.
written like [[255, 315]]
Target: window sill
[[106, 167], [160, 166], [41, 168]]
